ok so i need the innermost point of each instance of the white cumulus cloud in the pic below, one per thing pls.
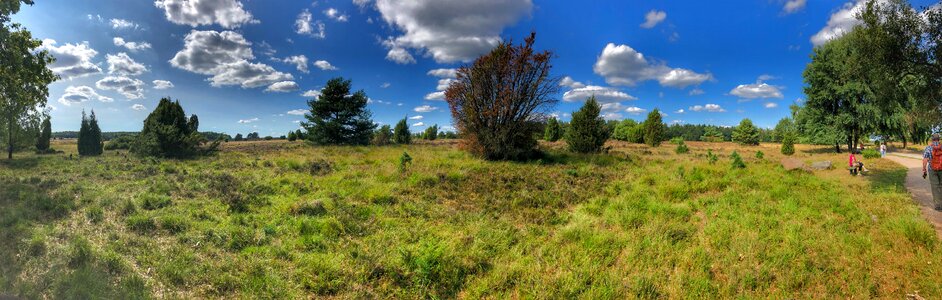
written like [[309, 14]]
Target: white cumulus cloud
[[758, 90], [602, 94], [72, 60], [305, 25], [416, 117], [335, 14], [283, 87], [792, 6], [131, 88], [443, 73], [419, 124], [225, 56], [623, 65], [123, 24], [246, 121], [131, 46], [226, 13], [79, 94], [311, 93], [299, 61], [138, 107], [425, 108], [570, 83], [652, 18], [707, 108], [841, 22], [162, 84], [324, 65], [122, 64]]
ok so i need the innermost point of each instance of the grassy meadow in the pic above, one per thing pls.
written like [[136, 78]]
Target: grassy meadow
[[277, 219]]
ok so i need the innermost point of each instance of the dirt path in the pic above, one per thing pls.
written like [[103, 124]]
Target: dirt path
[[919, 188]]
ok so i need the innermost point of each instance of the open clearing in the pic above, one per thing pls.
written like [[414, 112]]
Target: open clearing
[[286, 220]]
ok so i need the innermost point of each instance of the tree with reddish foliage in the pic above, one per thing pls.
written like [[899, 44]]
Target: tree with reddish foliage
[[499, 101]]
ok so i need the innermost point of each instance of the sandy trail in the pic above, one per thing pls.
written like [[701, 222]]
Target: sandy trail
[[919, 187]]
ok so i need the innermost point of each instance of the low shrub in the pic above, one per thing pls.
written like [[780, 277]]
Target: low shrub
[[173, 224], [320, 167], [80, 252], [141, 224], [871, 154], [677, 140], [681, 148], [711, 157], [760, 155], [736, 161], [152, 202], [404, 161]]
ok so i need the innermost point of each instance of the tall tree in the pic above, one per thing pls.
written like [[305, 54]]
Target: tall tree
[[169, 133], [42, 143], [338, 117], [431, 133], [383, 136], [499, 101], [654, 129], [89, 137], [553, 131], [746, 133], [401, 134], [24, 78], [587, 130]]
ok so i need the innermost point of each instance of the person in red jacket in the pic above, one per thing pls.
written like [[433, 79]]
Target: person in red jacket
[[855, 164], [932, 158]]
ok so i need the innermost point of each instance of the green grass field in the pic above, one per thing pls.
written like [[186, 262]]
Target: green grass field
[[288, 220]]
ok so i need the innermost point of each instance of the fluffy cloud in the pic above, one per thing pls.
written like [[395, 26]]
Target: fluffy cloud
[[707, 108], [758, 90], [283, 87], [425, 108], [226, 13], [679, 111], [419, 124], [246, 121], [123, 24], [635, 110], [792, 6], [602, 94], [570, 83], [299, 61], [440, 95], [416, 118], [324, 65], [129, 87], [225, 55], [335, 14], [771, 105], [305, 25], [449, 30], [385, 85], [72, 60], [79, 94], [841, 22], [297, 112], [311, 93], [138, 107], [122, 64], [443, 73], [399, 55], [622, 65], [652, 18], [132, 46], [162, 84]]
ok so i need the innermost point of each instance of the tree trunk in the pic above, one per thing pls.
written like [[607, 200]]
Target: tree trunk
[[837, 147]]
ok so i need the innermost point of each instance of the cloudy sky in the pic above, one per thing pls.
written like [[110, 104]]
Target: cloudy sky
[[250, 65]]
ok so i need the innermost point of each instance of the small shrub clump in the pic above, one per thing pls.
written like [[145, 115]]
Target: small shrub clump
[[871, 154], [788, 144], [404, 161], [682, 148], [760, 155], [736, 161], [309, 208], [711, 157]]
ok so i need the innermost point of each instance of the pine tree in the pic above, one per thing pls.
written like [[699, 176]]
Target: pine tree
[[553, 131], [587, 130], [89, 138], [401, 134], [169, 133], [42, 144], [654, 129], [746, 133], [431, 133], [788, 143], [338, 117]]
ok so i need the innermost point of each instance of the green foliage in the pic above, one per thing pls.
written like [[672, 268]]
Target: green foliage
[[238, 137], [784, 127], [338, 117], [736, 161], [681, 148], [587, 130], [383, 136], [623, 129], [712, 157], [871, 153], [431, 133], [42, 143], [89, 138], [553, 131], [292, 136], [401, 134], [124, 142], [404, 161], [746, 133], [654, 129], [168, 133], [760, 155], [788, 144], [712, 134], [677, 140]]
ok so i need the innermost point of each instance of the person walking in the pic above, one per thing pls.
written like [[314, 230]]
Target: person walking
[[883, 150], [932, 157]]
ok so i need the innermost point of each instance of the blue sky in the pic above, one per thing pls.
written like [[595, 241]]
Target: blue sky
[[245, 65]]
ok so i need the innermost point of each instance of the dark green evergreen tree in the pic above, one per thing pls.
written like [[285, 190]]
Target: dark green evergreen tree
[[654, 129], [42, 144], [338, 117], [169, 133], [587, 130], [431, 133], [238, 137], [746, 133], [401, 134], [89, 139], [553, 131]]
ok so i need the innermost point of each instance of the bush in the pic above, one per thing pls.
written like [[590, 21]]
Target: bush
[[404, 161], [682, 148], [339, 117], [503, 125], [677, 140], [712, 134], [553, 131], [736, 161], [42, 143], [788, 144], [871, 154], [431, 133], [383, 136], [760, 155], [711, 157], [622, 131], [654, 129], [168, 133], [401, 134], [587, 130], [123, 142], [746, 133]]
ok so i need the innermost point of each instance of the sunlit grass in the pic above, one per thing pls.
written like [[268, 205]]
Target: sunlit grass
[[288, 220]]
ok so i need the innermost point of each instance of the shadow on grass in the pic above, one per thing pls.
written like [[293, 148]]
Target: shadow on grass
[[21, 163], [892, 180]]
